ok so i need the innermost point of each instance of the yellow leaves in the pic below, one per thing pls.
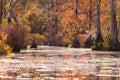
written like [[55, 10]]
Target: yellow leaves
[[33, 9], [8, 49], [4, 48], [27, 28], [3, 37], [4, 22], [37, 38], [6, 6]]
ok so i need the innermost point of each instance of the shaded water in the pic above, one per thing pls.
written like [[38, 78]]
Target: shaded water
[[55, 63]]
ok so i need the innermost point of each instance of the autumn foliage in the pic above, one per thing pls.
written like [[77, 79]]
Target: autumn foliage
[[4, 48], [75, 23]]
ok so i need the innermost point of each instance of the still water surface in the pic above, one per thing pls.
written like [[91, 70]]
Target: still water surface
[[55, 63]]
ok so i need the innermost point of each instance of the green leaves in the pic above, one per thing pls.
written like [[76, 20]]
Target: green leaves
[[23, 2]]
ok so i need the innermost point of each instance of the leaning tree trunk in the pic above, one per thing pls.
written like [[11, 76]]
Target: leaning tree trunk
[[10, 11], [99, 35], [114, 43]]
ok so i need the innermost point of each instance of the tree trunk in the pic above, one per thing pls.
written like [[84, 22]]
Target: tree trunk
[[114, 43], [0, 11], [56, 23], [90, 14], [99, 35], [10, 11], [76, 12], [56, 16]]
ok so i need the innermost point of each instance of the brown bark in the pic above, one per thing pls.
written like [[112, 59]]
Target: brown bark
[[76, 12], [114, 43], [1, 11], [90, 14], [99, 35], [10, 11]]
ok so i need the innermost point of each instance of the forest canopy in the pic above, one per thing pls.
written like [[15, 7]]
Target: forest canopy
[[72, 23]]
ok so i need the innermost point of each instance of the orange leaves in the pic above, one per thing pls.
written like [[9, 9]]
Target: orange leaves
[[82, 17], [68, 15], [105, 17], [105, 4], [30, 12], [17, 10], [82, 36], [66, 41]]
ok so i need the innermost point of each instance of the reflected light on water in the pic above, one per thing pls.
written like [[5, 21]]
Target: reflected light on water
[[58, 63]]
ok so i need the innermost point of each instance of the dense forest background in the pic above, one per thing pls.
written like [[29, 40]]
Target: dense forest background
[[72, 23]]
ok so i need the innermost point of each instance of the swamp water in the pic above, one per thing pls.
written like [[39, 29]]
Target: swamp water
[[56, 63]]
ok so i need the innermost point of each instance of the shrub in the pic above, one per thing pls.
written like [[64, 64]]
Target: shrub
[[34, 38], [15, 36], [103, 45], [66, 42], [4, 48]]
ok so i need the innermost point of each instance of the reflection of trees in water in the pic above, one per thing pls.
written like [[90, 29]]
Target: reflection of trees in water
[[66, 65]]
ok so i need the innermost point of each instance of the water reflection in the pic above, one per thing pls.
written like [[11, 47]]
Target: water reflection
[[61, 64]]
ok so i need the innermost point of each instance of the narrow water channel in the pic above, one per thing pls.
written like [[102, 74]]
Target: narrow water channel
[[51, 63]]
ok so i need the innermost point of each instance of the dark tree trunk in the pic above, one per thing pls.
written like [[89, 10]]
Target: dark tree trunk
[[76, 11], [56, 10], [54, 30], [114, 43], [76, 43], [10, 11], [99, 35], [56, 23], [0, 11], [90, 14]]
